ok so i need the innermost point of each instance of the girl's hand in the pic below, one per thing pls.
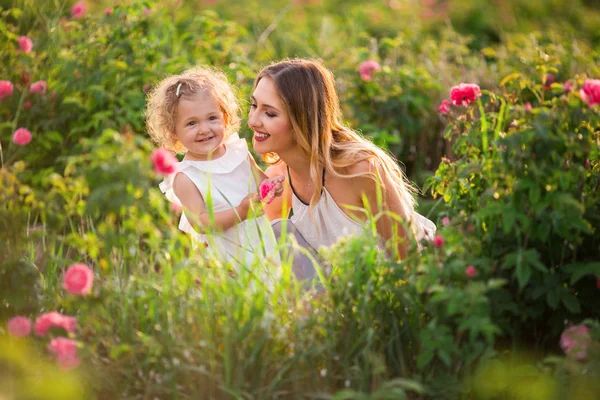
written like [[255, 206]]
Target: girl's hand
[[250, 207], [271, 188]]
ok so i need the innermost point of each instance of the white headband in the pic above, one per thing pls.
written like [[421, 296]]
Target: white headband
[[178, 88]]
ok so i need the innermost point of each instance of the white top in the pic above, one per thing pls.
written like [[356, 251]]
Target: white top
[[329, 222], [223, 184]]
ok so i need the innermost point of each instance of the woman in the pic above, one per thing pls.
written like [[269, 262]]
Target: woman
[[297, 123]]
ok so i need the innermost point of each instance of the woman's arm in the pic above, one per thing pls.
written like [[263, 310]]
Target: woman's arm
[[198, 215], [389, 227]]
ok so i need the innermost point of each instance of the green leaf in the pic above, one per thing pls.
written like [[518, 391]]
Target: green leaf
[[579, 270], [571, 303]]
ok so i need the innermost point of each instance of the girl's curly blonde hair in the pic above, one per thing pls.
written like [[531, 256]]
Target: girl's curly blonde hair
[[163, 101]]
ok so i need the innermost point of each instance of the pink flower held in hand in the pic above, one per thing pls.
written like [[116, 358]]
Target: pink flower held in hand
[[267, 191], [79, 10], [590, 93], [21, 137], [65, 351], [54, 319], [25, 44], [78, 279], [575, 340], [464, 94], [19, 326], [165, 163], [470, 271], [38, 87], [6, 89], [367, 68], [438, 241], [444, 107]]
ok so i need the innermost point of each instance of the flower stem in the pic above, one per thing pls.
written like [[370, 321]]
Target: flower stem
[[484, 127]]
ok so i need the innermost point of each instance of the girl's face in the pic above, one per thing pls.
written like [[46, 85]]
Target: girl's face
[[273, 132], [200, 126]]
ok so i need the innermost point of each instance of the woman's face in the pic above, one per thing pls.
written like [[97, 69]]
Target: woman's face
[[273, 132]]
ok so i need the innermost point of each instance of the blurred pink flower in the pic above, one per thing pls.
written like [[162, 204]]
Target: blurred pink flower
[[147, 12], [528, 107], [267, 191], [590, 93], [78, 279], [165, 163], [21, 137], [438, 241], [444, 107], [19, 326], [575, 340], [27, 104], [445, 221], [65, 351], [108, 11], [471, 271], [25, 43], [38, 87], [567, 86], [54, 319], [79, 10], [367, 68], [6, 89], [464, 94], [175, 207]]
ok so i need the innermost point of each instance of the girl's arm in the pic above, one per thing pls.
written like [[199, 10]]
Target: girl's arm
[[388, 227], [198, 215]]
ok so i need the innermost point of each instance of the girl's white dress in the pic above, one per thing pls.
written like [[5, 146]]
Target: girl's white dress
[[223, 184]]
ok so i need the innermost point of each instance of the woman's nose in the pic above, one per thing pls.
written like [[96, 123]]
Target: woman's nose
[[252, 120]]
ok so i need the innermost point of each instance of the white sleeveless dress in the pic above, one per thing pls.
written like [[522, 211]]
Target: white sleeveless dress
[[225, 182]]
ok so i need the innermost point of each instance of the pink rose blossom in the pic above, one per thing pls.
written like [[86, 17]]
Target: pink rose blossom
[[367, 68], [21, 137], [27, 104], [465, 94], [6, 89], [575, 340], [567, 86], [438, 241], [470, 271], [25, 44], [78, 279], [267, 191], [444, 107], [165, 163], [19, 326], [79, 10], [590, 93], [445, 221], [108, 11], [54, 319], [528, 107], [38, 87], [65, 351]]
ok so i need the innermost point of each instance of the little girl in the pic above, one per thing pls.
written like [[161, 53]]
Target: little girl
[[196, 113]]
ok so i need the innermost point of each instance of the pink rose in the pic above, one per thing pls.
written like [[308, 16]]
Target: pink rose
[[78, 279], [444, 107], [54, 319], [65, 351], [590, 93], [445, 221], [25, 43], [367, 68], [19, 326], [165, 163], [567, 86], [438, 241], [465, 94], [21, 137], [267, 191], [575, 340], [108, 11], [528, 107], [470, 271], [6, 89], [38, 87], [79, 10]]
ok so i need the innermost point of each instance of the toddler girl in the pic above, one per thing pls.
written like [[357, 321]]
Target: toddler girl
[[196, 113]]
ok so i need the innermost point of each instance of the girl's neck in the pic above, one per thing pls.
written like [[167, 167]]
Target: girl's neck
[[216, 154]]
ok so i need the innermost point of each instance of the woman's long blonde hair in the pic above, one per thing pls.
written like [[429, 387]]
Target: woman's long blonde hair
[[307, 90]]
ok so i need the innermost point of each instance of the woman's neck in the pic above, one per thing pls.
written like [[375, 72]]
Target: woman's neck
[[298, 163]]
